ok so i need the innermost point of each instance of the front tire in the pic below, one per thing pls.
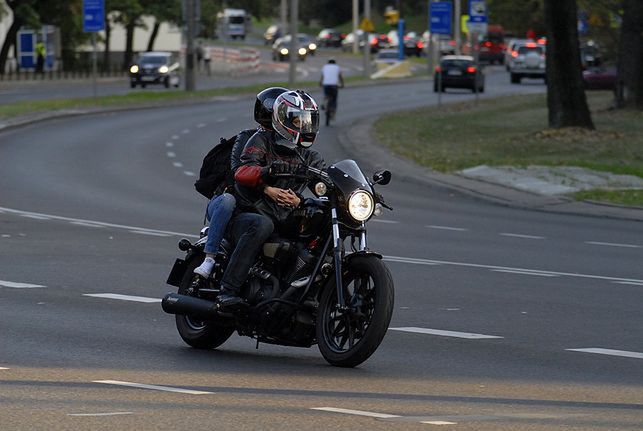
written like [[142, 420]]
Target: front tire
[[198, 334], [348, 338]]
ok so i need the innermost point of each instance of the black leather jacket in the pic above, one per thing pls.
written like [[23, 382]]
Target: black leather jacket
[[252, 176]]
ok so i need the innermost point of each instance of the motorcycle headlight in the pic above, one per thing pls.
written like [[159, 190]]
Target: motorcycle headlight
[[134, 69], [163, 69], [312, 47], [320, 189], [360, 205]]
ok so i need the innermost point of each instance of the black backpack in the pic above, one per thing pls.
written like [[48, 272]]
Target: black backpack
[[215, 174]]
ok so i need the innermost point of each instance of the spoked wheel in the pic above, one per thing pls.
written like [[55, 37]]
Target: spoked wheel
[[347, 337], [195, 332]]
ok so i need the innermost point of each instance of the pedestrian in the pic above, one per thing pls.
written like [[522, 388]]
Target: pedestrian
[[199, 56], [40, 57], [207, 56]]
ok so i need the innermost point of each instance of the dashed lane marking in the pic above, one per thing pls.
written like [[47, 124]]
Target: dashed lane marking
[[517, 235], [458, 229], [99, 414], [385, 221], [152, 387], [438, 423], [169, 144], [178, 164], [201, 125], [144, 232], [15, 285], [356, 412], [609, 352], [185, 131], [189, 173], [171, 154], [4, 368], [221, 120], [538, 274], [175, 137], [442, 333], [120, 297], [611, 244]]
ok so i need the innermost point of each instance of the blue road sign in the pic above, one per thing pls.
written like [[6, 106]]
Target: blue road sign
[[440, 17], [477, 11], [93, 15]]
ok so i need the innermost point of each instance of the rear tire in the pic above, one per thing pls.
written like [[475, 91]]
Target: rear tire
[[369, 291], [515, 79], [198, 334]]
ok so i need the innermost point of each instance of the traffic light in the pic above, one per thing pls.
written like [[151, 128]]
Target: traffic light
[[392, 16]]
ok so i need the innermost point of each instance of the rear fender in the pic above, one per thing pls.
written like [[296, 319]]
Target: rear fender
[[181, 265]]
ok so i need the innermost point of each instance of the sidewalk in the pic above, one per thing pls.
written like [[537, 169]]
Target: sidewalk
[[504, 187]]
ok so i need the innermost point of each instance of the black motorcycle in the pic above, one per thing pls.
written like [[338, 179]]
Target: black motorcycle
[[305, 287]]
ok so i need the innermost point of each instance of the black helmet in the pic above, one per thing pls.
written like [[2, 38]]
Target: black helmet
[[263, 105]]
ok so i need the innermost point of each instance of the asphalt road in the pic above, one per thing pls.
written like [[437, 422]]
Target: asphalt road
[[492, 303]]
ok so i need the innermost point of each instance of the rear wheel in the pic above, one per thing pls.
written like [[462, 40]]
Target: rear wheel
[[515, 79], [346, 338], [197, 333]]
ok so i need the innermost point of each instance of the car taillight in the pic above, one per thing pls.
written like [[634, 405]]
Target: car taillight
[[374, 41], [471, 69], [542, 41], [452, 42], [487, 44], [420, 45], [514, 54]]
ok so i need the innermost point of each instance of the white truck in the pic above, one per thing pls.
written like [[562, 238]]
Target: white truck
[[233, 23]]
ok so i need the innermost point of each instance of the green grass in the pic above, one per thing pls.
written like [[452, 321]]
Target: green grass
[[622, 197], [512, 131]]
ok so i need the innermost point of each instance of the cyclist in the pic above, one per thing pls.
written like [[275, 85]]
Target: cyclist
[[331, 80]]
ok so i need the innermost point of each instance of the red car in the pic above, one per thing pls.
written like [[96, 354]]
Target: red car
[[597, 78]]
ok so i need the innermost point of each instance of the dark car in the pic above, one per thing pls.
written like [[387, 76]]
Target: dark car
[[458, 71], [281, 49], [413, 45], [599, 78], [154, 68], [329, 37]]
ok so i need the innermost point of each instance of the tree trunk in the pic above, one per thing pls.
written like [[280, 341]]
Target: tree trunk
[[107, 62], [9, 41], [155, 32], [565, 93], [629, 91], [129, 43]]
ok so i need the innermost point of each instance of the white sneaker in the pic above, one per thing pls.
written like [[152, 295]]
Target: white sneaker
[[205, 269]]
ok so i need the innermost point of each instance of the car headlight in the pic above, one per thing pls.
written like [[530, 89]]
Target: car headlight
[[133, 69], [163, 69], [360, 205], [312, 47], [302, 51], [284, 51]]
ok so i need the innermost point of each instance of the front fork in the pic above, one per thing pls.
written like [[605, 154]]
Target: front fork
[[337, 252]]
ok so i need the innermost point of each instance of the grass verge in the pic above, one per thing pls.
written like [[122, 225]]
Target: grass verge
[[508, 131]]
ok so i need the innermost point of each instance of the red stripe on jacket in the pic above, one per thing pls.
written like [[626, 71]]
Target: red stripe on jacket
[[249, 176]]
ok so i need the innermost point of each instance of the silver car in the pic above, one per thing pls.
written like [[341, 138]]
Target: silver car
[[529, 63]]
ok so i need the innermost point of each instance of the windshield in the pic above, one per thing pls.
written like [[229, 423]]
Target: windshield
[[348, 177], [236, 20], [152, 59], [456, 63], [528, 49]]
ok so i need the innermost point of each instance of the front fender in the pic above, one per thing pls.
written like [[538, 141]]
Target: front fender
[[364, 253]]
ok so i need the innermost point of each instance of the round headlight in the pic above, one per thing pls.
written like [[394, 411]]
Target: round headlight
[[284, 51], [163, 69], [302, 51], [360, 205], [320, 189], [312, 47], [134, 69]]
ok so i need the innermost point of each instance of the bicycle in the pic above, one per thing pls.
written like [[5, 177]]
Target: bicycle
[[330, 102]]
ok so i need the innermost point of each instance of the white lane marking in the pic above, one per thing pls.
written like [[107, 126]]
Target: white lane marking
[[539, 274], [171, 154], [36, 217], [153, 387], [143, 232], [169, 144], [201, 125], [3, 368], [459, 229], [610, 352], [175, 137], [611, 244], [98, 414], [120, 297], [189, 173], [415, 261], [178, 164], [185, 131], [85, 224], [221, 120], [438, 423], [6, 236], [355, 412], [440, 332], [517, 235], [632, 283], [15, 285], [112, 225], [385, 221]]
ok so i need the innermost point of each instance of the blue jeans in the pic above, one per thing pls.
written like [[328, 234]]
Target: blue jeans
[[220, 209], [248, 231]]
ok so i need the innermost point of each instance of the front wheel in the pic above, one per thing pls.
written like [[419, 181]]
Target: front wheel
[[348, 337], [197, 333]]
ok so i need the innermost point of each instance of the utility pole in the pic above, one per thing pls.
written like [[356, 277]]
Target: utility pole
[[355, 25], [367, 40], [284, 16], [294, 43], [190, 77], [457, 15]]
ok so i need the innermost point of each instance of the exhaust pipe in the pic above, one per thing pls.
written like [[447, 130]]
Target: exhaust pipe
[[173, 303]]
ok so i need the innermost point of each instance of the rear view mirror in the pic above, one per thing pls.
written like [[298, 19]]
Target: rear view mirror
[[382, 177]]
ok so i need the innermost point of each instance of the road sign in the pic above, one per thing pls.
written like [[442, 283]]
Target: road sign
[[440, 17], [367, 26], [477, 12], [93, 15]]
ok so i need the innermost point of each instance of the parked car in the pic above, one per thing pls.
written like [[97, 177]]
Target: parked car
[[600, 78], [528, 63], [281, 49], [272, 33], [154, 67], [330, 37], [458, 71]]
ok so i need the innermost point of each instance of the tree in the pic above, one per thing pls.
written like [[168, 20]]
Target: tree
[[23, 14], [162, 11], [565, 93], [630, 56], [129, 15]]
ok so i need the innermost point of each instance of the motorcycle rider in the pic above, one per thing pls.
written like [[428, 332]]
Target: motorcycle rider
[[222, 205], [267, 198]]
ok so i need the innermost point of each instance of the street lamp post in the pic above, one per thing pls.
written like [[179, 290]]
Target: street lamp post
[[294, 45]]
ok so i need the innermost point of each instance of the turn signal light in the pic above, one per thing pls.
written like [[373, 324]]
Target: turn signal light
[[471, 69]]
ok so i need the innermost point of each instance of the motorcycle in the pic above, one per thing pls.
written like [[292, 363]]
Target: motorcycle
[[306, 288]]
